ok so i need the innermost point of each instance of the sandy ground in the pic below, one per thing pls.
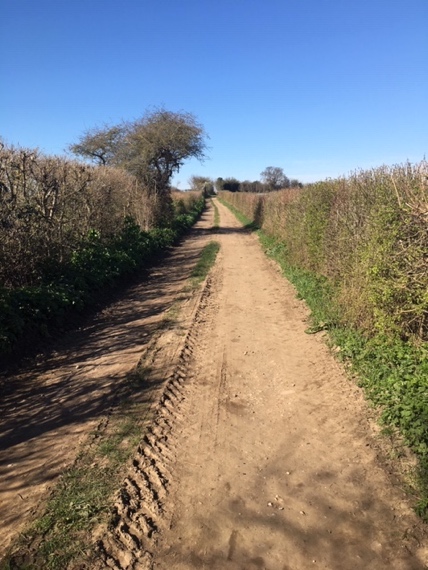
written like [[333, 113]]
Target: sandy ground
[[261, 454], [52, 404], [275, 462]]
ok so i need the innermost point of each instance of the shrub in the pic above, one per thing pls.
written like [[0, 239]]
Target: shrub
[[61, 283]]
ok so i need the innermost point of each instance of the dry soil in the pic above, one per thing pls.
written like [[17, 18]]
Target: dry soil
[[261, 454]]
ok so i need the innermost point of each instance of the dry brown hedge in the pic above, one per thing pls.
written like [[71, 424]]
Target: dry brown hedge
[[49, 204]]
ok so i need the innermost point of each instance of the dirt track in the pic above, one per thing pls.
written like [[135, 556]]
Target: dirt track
[[261, 455]]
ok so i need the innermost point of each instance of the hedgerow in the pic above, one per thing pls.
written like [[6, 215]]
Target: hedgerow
[[367, 234], [68, 231], [356, 249]]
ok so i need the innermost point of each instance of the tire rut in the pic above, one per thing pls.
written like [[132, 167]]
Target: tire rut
[[140, 511]]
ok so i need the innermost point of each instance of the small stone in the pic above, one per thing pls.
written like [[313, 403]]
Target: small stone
[[269, 504], [302, 513]]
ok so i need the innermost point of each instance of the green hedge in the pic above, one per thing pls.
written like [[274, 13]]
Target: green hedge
[[367, 234], [96, 265], [356, 251]]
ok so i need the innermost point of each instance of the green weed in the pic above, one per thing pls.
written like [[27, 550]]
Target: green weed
[[216, 216], [96, 265], [205, 262]]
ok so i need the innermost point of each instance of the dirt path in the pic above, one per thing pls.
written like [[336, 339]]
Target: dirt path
[[264, 455], [50, 407], [260, 454]]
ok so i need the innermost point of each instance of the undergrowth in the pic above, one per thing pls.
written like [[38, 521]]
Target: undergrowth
[[30, 313]]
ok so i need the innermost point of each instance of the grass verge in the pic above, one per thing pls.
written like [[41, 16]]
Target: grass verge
[[392, 372], [205, 262], [216, 224], [83, 496], [246, 222]]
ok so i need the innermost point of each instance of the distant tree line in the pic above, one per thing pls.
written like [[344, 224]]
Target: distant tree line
[[272, 178]]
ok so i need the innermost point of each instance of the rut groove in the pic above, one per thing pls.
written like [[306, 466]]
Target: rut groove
[[141, 506]]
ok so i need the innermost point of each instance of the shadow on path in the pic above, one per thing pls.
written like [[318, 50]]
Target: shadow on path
[[49, 402]]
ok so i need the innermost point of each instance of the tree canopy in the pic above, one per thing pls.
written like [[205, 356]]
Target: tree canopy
[[100, 144], [274, 178], [152, 148], [156, 146]]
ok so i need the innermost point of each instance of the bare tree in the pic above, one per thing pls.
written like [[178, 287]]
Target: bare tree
[[274, 178], [100, 144], [48, 205], [156, 147], [152, 148]]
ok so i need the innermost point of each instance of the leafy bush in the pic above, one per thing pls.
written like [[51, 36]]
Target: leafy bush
[[95, 264]]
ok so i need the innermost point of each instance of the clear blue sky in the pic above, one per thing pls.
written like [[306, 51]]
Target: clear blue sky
[[317, 87]]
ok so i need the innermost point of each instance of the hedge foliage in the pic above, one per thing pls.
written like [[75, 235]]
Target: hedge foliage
[[67, 231], [367, 234]]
